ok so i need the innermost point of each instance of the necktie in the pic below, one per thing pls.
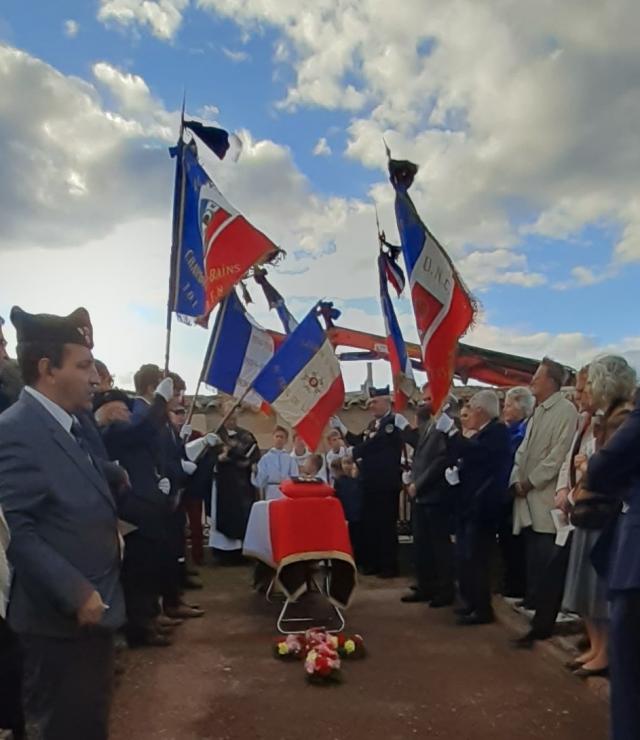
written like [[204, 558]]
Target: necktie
[[77, 432]]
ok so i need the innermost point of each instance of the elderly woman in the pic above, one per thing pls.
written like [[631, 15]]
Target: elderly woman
[[606, 402], [518, 407]]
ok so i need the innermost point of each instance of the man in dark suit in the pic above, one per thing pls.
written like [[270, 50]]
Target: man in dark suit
[[377, 453], [66, 599], [481, 480], [617, 467], [432, 509]]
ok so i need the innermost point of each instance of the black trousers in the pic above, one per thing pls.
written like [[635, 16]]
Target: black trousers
[[513, 556], [433, 551], [550, 590], [67, 685], [11, 715], [624, 655], [540, 550], [380, 531], [474, 546]]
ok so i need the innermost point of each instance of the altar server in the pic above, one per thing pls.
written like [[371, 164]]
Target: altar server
[[275, 466]]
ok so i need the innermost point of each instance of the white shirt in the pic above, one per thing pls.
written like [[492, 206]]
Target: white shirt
[[59, 414], [274, 467]]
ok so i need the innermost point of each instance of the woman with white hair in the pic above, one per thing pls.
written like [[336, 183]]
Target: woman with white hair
[[610, 387], [518, 407]]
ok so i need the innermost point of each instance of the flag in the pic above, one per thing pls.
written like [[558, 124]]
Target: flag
[[393, 271], [303, 382], [217, 139], [239, 348], [275, 300], [214, 245], [187, 287], [401, 368], [442, 305]]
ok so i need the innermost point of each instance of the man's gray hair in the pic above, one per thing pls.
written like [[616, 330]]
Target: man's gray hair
[[611, 379], [523, 399], [487, 401]]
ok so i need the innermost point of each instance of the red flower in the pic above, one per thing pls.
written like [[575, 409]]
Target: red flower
[[323, 667]]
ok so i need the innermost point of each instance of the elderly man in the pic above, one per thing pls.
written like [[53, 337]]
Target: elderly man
[[536, 468], [66, 599], [377, 452], [432, 511], [483, 467]]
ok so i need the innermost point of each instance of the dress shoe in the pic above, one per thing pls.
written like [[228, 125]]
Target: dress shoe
[[150, 638], [388, 574], [463, 611], [162, 620], [573, 665], [440, 602], [184, 612], [526, 642], [414, 597], [592, 672], [474, 619]]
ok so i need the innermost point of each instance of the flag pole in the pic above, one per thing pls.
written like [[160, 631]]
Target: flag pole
[[177, 240], [212, 341]]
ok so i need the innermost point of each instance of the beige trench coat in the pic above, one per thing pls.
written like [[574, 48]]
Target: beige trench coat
[[539, 460]]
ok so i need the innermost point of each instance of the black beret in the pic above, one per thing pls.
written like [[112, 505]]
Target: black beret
[[379, 392], [110, 396], [43, 327]]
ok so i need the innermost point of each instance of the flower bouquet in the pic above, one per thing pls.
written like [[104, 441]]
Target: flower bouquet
[[351, 647], [322, 665], [291, 647]]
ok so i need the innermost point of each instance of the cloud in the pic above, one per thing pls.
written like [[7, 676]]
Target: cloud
[[73, 168], [236, 55], [322, 148], [71, 28], [162, 17]]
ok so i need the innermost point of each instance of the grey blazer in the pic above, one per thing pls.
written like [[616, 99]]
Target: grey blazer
[[63, 523]]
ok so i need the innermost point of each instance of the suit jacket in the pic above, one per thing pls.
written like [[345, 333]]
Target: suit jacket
[[616, 468], [135, 446], [539, 459], [484, 463], [430, 460], [63, 523], [377, 452], [5, 576]]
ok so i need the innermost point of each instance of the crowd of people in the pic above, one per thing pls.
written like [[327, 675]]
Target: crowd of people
[[99, 488]]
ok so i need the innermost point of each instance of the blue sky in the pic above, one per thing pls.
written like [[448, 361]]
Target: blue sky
[[528, 162]]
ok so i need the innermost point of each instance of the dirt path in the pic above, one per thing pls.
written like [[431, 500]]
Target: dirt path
[[424, 677]]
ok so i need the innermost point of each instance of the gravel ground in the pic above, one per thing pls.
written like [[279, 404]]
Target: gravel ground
[[424, 677]]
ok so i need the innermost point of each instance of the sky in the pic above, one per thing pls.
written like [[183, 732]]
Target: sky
[[523, 119]]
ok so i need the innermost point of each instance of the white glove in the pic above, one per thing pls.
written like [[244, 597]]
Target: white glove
[[165, 389], [185, 431], [195, 448], [401, 422], [452, 476], [164, 486], [336, 423], [211, 439], [188, 467], [444, 423]]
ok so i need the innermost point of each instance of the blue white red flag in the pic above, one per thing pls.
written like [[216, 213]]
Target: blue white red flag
[[214, 245], [442, 305], [401, 369], [275, 300], [239, 348], [393, 271], [303, 382]]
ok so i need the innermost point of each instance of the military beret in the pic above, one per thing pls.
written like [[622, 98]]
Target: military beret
[[43, 327], [111, 396], [379, 392]]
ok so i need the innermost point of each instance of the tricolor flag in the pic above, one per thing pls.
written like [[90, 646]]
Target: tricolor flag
[[401, 368], [392, 269], [442, 305], [239, 348], [214, 245], [275, 300], [303, 382]]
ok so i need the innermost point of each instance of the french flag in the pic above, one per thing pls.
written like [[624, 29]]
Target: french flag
[[443, 307], [239, 348], [303, 382], [400, 363]]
